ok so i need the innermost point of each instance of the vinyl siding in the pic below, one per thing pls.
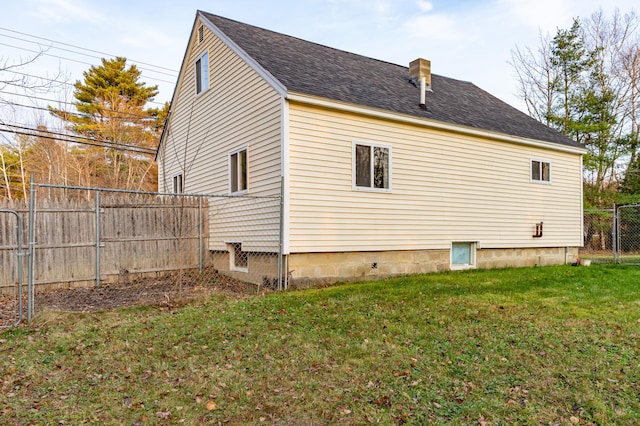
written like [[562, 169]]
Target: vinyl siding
[[239, 109], [445, 187]]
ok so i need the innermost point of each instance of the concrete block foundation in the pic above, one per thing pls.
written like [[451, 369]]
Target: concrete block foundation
[[308, 269]]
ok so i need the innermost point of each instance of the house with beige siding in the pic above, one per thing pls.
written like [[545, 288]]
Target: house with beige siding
[[385, 169]]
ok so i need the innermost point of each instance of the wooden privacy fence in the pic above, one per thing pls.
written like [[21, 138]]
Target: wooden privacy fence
[[149, 244], [80, 242]]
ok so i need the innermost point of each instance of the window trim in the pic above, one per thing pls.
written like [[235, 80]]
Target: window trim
[[473, 261], [372, 145], [178, 178], [230, 156], [541, 180], [203, 87]]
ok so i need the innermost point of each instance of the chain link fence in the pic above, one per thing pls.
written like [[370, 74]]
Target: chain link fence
[[628, 233], [599, 232], [93, 248], [612, 235]]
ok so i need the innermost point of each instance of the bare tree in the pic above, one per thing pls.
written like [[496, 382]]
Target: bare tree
[[584, 82], [536, 78]]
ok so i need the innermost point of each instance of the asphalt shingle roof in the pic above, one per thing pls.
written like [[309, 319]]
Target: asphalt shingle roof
[[313, 69]]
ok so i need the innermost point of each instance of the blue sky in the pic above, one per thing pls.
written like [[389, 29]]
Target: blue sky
[[464, 39]]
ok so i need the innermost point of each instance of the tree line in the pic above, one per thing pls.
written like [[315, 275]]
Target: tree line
[[108, 140], [585, 82]]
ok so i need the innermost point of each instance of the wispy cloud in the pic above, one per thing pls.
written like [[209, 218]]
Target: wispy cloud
[[65, 11], [429, 25], [425, 6]]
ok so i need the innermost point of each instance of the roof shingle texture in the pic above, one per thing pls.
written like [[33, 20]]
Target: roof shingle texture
[[313, 69]]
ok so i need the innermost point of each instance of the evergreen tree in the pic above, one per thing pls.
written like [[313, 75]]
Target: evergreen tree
[[111, 104]]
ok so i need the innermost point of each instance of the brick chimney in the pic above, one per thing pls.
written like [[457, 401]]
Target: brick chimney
[[420, 74]]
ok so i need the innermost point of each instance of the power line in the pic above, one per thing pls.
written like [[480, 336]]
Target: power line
[[78, 114], [70, 103], [61, 139], [42, 52], [30, 131], [60, 82], [84, 48], [173, 74]]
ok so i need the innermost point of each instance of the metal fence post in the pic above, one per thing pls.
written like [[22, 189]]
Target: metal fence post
[[614, 233], [281, 239], [97, 238], [31, 243], [200, 228]]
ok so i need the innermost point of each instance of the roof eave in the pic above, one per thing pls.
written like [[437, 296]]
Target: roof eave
[[266, 75], [430, 123]]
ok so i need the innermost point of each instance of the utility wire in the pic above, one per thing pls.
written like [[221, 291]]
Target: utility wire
[[30, 131], [42, 52], [70, 103], [84, 48], [61, 139], [78, 114], [173, 74], [58, 82]]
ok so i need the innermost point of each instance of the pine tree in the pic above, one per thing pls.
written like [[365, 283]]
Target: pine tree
[[111, 104]]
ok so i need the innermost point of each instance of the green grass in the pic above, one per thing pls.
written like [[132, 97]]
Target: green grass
[[553, 345]]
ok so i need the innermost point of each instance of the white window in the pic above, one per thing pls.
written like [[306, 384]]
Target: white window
[[238, 171], [371, 166], [540, 171], [238, 259], [202, 73], [178, 186], [463, 255]]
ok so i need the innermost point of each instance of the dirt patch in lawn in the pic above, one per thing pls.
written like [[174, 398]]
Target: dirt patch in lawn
[[161, 291]]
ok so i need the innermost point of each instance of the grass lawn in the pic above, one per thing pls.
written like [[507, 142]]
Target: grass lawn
[[552, 345]]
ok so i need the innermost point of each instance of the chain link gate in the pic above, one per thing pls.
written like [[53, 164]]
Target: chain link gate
[[599, 236], [11, 263], [627, 248]]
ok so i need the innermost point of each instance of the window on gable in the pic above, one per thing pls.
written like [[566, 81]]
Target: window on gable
[[372, 166], [200, 34], [540, 171], [178, 187], [238, 171], [202, 73]]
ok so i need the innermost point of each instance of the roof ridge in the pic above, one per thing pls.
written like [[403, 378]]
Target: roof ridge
[[309, 41]]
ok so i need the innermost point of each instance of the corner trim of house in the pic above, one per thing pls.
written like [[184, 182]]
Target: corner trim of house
[[286, 174], [424, 122]]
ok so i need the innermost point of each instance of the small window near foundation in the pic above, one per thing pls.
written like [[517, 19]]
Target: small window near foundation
[[463, 255], [239, 260]]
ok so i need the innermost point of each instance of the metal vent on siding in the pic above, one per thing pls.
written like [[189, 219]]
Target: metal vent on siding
[[201, 34]]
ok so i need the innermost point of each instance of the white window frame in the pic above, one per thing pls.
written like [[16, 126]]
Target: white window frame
[[371, 188], [541, 161], [231, 247], [238, 171], [203, 82], [178, 183], [462, 266]]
